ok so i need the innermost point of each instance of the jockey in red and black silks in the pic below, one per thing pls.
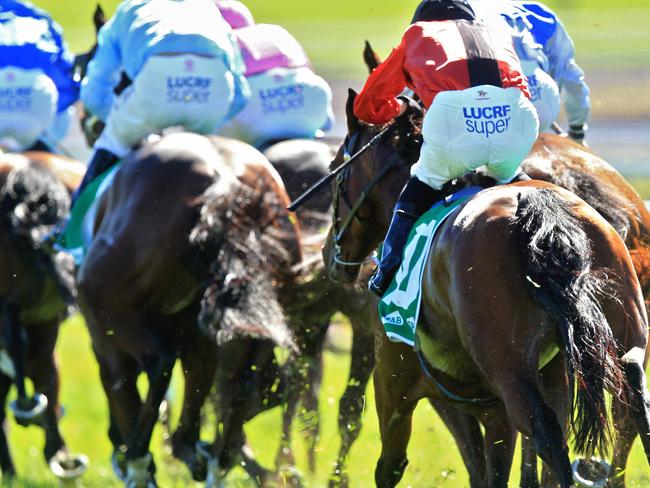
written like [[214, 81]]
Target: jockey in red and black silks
[[478, 114]]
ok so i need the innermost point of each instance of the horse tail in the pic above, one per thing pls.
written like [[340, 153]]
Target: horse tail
[[32, 202], [557, 257], [242, 257]]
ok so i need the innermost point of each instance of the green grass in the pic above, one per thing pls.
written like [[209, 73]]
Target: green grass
[[608, 35], [434, 460]]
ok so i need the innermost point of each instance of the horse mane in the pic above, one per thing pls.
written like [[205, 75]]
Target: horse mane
[[616, 210], [32, 202], [247, 255]]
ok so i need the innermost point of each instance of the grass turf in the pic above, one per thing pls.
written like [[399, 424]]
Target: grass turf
[[434, 460], [607, 35]]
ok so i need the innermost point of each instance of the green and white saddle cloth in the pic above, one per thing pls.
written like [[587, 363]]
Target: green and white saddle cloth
[[399, 308], [78, 233]]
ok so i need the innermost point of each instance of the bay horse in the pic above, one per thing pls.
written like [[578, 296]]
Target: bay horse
[[565, 163], [504, 221], [36, 294], [189, 227]]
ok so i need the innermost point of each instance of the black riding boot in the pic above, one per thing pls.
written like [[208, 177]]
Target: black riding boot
[[101, 161], [415, 199], [39, 145]]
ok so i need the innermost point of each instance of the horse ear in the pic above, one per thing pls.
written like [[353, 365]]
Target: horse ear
[[370, 57], [99, 18], [353, 121]]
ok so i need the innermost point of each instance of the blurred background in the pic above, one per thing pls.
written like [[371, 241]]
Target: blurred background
[[612, 41]]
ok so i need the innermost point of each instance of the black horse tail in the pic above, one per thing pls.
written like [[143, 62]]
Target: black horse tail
[[32, 202], [557, 257], [232, 243]]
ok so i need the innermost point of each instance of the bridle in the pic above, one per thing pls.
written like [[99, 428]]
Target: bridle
[[341, 194]]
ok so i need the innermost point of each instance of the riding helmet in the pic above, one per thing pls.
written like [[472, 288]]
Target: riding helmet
[[429, 10]]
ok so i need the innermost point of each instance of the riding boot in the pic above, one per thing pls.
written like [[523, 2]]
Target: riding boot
[[39, 145], [101, 161], [415, 199]]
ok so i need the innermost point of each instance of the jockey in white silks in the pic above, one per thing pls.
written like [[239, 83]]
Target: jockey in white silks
[[37, 88], [548, 31], [288, 100], [185, 67]]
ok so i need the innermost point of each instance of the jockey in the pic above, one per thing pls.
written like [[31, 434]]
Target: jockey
[[544, 92], [288, 100], [549, 32], [235, 13], [37, 88], [479, 113], [185, 70]]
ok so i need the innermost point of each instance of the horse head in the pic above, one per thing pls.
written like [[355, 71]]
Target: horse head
[[364, 193]]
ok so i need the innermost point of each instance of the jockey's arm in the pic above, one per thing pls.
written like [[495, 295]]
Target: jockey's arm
[[103, 72], [62, 71], [237, 67], [570, 79], [377, 102]]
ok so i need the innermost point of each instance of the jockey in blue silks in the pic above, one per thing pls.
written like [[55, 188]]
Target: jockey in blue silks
[[185, 69], [544, 92], [548, 31], [37, 88]]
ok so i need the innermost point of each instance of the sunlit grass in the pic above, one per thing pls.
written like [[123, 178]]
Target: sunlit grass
[[434, 459]]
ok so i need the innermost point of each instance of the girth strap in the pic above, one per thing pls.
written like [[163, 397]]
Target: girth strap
[[481, 60]]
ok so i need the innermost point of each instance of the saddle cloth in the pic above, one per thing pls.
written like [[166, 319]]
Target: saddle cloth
[[77, 236], [399, 308]]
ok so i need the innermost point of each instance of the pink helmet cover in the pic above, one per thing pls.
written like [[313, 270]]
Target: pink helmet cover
[[267, 46], [235, 13]]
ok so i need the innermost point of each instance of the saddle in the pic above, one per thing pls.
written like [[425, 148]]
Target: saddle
[[399, 308]]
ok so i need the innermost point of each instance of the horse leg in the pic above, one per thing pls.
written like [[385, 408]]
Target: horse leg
[[42, 368], [527, 408], [469, 439], [6, 463], [119, 373], [199, 366], [396, 377], [352, 402], [500, 438], [529, 477], [630, 419]]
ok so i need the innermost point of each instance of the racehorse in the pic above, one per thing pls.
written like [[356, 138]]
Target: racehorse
[[189, 227], [300, 164], [560, 161], [36, 291], [465, 329]]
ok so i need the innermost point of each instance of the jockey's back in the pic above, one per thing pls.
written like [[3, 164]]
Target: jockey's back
[[29, 39], [141, 29]]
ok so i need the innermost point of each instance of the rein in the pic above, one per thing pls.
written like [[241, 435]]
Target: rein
[[340, 194], [316, 187]]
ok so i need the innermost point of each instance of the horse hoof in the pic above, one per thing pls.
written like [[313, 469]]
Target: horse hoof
[[30, 411], [68, 467], [199, 463], [215, 474], [289, 476], [590, 473], [138, 474], [118, 463]]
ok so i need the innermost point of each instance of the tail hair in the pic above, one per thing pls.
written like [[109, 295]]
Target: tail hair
[[557, 255], [244, 255]]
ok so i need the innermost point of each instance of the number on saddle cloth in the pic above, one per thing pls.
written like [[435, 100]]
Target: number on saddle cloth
[[76, 236], [399, 308]]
